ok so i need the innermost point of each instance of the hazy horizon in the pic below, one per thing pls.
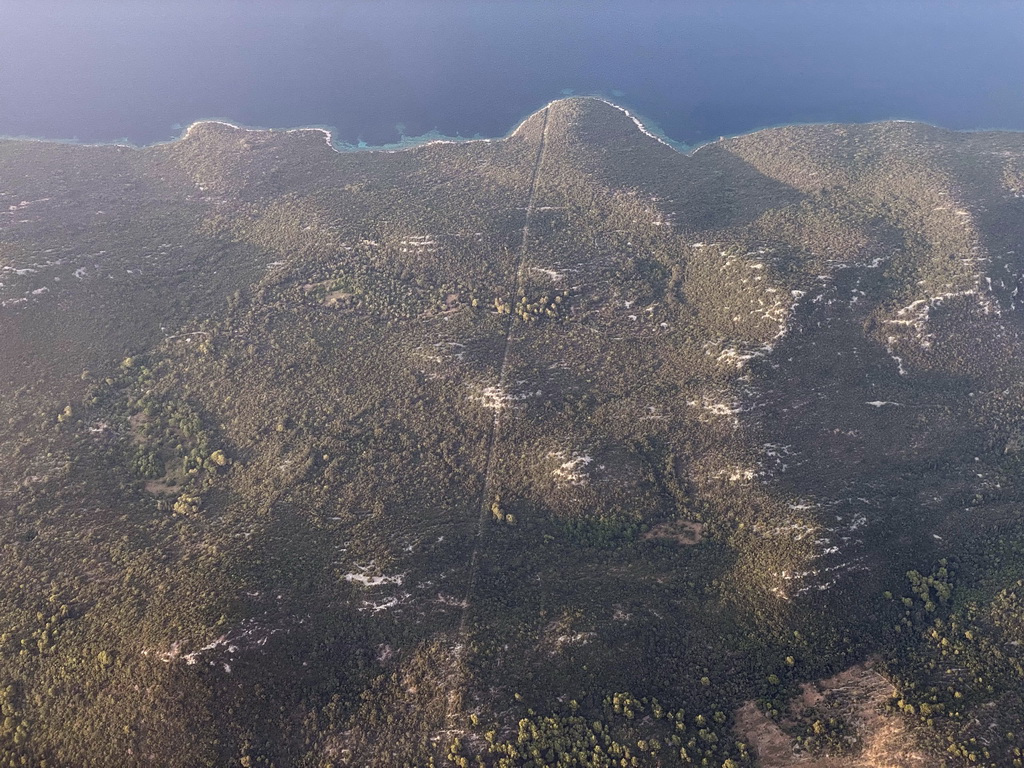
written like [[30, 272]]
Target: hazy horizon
[[108, 71]]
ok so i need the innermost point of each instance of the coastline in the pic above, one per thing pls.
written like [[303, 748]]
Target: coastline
[[406, 143], [648, 128]]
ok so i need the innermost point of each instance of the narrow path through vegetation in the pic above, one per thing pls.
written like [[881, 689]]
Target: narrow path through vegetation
[[487, 491]]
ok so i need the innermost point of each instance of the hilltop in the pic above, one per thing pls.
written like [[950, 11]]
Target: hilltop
[[565, 448]]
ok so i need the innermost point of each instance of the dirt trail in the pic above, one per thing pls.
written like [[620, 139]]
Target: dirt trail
[[487, 492]]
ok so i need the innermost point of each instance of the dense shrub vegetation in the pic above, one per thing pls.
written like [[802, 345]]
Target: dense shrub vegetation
[[554, 450]]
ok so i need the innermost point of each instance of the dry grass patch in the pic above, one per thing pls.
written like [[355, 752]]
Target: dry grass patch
[[856, 696], [683, 532]]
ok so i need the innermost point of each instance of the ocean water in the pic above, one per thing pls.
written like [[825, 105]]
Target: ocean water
[[375, 72]]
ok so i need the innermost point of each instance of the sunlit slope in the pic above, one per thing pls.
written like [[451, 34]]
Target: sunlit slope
[[307, 452]]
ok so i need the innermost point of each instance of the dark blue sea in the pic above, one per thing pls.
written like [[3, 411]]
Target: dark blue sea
[[375, 72]]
